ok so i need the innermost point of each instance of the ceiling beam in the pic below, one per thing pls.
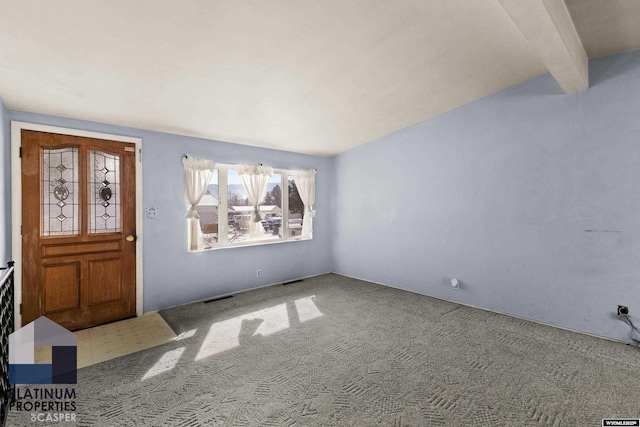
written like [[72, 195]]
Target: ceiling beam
[[549, 29]]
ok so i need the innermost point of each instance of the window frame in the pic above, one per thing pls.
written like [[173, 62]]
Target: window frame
[[223, 212]]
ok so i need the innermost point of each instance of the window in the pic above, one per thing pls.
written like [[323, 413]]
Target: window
[[246, 205], [241, 211], [296, 208], [208, 210]]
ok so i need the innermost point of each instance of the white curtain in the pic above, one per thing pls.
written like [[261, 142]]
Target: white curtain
[[306, 183], [255, 180], [197, 174]]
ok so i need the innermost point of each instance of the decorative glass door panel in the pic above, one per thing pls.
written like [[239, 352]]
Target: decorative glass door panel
[[104, 192], [60, 192]]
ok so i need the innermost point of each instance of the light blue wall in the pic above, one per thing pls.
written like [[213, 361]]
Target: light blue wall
[[5, 184], [171, 275], [530, 197]]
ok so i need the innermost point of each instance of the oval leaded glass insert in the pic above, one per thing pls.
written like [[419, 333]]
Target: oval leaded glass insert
[[104, 196], [60, 192]]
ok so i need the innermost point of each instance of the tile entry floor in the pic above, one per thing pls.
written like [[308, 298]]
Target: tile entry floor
[[116, 339]]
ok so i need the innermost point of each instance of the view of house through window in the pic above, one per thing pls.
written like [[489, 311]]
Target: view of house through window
[[208, 210], [241, 212], [227, 213]]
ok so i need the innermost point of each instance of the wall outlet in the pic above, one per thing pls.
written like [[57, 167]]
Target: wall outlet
[[622, 310], [152, 212], [258, 273]]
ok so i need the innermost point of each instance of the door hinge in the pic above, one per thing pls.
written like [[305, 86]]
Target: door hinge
[[21, 230], [20, 152], [20, 308]]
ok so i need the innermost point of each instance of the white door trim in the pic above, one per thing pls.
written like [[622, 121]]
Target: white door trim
[[16, 202]]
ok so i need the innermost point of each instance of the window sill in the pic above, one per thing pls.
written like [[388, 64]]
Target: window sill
[[250, 243]]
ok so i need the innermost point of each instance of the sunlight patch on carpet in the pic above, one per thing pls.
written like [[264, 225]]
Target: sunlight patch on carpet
[[307, 309], [187, 334], [230, 333], [167, 362]]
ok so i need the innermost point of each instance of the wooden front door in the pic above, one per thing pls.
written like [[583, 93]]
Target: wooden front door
[[78, 229]]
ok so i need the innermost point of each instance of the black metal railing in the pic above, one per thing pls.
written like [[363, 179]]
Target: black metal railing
[[6, 329]]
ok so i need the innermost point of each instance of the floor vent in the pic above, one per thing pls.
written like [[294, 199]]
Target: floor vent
[[450, 311], [293, 281], [217, 299]]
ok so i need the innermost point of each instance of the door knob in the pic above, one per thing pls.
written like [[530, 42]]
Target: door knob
[[130, 238]]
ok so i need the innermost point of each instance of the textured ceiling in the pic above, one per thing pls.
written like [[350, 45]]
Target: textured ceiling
[[298, 75]]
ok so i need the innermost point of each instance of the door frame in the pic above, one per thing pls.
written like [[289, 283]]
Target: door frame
[[16, 202]]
